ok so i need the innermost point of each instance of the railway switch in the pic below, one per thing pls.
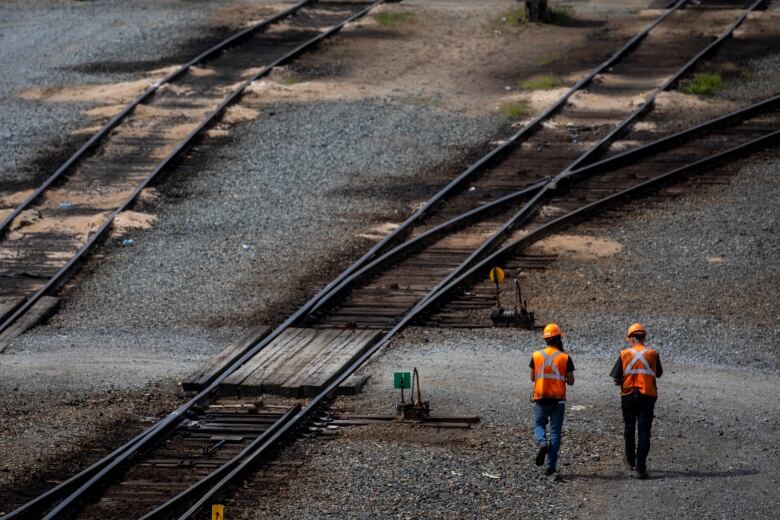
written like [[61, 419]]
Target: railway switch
[[417, 409], [515, 316]]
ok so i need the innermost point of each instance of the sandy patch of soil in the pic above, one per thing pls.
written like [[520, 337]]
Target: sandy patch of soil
[[380, 231], [11, 200], [245, 14], [54, 198], [131, 221], [111, 93], [675, 100], [239, 114], [200, 72], [581, 247], [77, 226], [105, 111]]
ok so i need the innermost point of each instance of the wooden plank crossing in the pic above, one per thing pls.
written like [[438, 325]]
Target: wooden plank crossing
[[299, 362], [216, 365]]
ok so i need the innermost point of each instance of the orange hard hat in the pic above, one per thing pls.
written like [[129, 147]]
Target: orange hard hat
[[636, 328], [552, 330]]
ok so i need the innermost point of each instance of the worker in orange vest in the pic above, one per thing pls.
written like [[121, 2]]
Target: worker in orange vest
[[551, 370], [636, 371]]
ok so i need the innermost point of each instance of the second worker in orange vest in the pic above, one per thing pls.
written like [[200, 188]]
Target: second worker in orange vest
[[636, 371], [551, 370]]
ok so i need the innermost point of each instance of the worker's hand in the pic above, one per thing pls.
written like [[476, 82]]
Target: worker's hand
[[617, 382]]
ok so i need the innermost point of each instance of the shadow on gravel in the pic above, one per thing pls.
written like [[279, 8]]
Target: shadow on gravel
[[663, 475]]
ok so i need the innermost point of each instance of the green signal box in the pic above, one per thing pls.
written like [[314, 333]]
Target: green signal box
[[402, 380]]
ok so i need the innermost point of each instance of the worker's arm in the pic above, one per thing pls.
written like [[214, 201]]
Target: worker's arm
[[533, 375], [570, 378], [617, 372]]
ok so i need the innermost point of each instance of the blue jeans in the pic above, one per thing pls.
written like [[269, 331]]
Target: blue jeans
[[554, 414]]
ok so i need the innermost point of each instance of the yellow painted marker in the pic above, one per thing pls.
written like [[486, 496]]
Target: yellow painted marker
[[217, 512], [496, 275]]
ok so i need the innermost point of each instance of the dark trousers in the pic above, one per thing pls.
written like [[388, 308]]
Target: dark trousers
[[637, 415]]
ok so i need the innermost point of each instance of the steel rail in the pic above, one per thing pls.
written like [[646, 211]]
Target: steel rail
[[623, 157], [100, 469], [502, 148], [227, 469], [659, 145], [137, 101], [436, 294], [422, 211], [417, 241], [409, 317], [649, 101], [571, 217], [463, 177], [180, 147], [601, 145], [161, 427]]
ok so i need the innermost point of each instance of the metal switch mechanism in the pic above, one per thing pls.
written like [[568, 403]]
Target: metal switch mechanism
[[515, 316], [417, 410]]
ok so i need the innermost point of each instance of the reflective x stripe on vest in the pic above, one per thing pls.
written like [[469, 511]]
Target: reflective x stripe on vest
[[638, 356], [548, 362]]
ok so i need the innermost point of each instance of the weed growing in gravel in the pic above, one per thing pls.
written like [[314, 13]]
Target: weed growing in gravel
[[290, 80], [704, 84], [515, 109], [513, 18], [393, 19], [539, 82]]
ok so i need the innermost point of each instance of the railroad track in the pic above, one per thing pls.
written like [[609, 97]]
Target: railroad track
[[488, 225], [43, 239]]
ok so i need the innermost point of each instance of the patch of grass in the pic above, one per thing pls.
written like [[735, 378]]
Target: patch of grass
[[550, 59], [422, 101], [393, 19], [515, 109], [290, 80], [513, 18], [703, 84], [539, 82]]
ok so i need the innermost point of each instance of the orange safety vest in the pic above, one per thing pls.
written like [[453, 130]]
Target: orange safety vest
[[550, 373], [639, 366]]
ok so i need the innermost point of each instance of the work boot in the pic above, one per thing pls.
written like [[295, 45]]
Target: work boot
[[541, 453], [552, 475], [628, 463], [639, 474]]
